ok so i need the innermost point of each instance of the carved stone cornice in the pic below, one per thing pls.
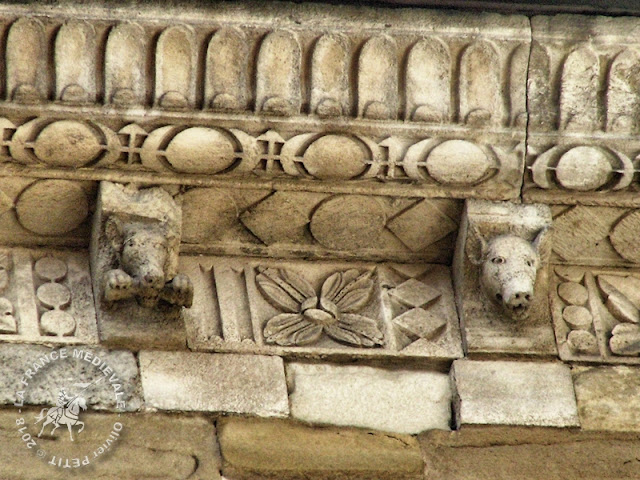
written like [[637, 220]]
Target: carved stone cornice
[[387, 93]]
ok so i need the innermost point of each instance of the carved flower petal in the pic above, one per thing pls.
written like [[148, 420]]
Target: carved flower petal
[[291, 329], [356, 330], [332, 285], [298, 282], [349, 290], [277, 287]]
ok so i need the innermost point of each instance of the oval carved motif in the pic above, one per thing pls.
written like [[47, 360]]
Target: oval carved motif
[[200, 150], [335, 157], [348, 221], [584, 168], [67, 144], [458, 162]]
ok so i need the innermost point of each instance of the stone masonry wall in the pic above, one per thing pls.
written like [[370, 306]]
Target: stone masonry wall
[[279, 241]]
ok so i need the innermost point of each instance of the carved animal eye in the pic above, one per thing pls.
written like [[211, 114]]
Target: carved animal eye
[[530, 263], [498, 260]]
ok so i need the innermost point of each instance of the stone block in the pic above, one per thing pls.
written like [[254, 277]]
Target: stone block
[[96, 374], [331, 308], [400, 401], [230, 383], [154, 445], [501, 278], [254, 449], [513, 393], [507, 453], [608, 397]]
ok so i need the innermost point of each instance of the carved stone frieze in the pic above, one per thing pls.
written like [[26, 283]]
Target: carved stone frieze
[[590, 235], [45, 297], [50, 212], [318, 225], [272, 62], [387, 160], [427, 103], [500, 275], [584, 107], [308, 309], [596, 313]]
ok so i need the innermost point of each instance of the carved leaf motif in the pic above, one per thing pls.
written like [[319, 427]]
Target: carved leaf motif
[[284, 290], [291, 329], [625, 339], [618, 304], [349, 290], [356, 330]]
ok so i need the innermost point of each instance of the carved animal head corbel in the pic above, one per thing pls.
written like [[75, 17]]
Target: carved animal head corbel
[[142, 232], [509, 266]]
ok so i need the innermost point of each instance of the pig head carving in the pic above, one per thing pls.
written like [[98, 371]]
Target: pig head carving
[[142, 248], [509, 265]]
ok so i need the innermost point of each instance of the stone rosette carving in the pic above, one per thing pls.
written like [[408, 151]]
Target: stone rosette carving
[[288, 307], [333, 311]]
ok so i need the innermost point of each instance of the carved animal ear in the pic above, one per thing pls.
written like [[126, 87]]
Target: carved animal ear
[[114, 231], [477, 247], [537, 242]]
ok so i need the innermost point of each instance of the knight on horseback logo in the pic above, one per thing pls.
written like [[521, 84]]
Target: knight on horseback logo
[[71, 399], [67, 410]]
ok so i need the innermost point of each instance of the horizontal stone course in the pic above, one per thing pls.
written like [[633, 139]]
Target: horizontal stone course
[[255, 449], [528, 453], [231, 383], [158, 446]]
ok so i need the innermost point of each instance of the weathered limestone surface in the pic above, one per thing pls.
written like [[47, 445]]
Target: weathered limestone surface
[[320, 157], [506, 453], [584, 116], [400, 401], [170, 447], [501, 279], [46, 375], [284, 63], [45, 297], [608, 397], [255, 449], [513, 393], [138, 291], [246, 384], [596, 313], [344, 310]]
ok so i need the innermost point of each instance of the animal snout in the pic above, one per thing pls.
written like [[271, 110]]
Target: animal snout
[[152, 280], [519, 299]]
